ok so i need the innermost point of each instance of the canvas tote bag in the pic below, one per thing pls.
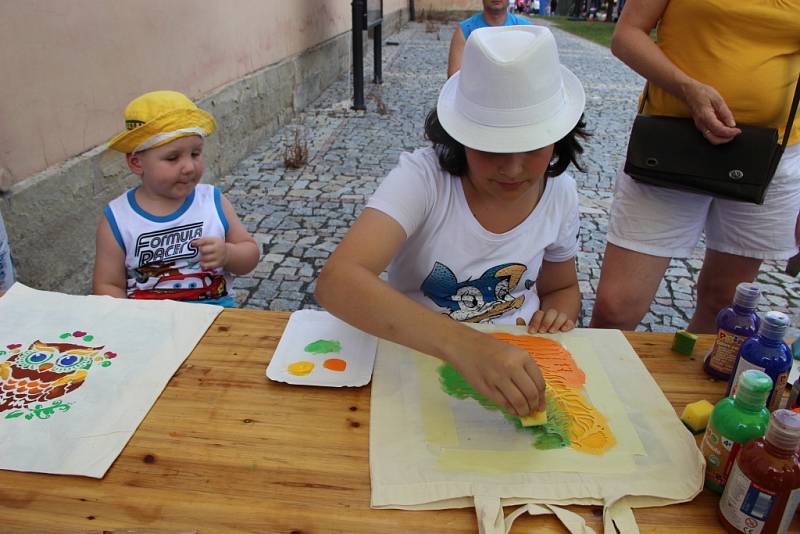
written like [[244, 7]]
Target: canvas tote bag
[[78, 374], [418, 462]]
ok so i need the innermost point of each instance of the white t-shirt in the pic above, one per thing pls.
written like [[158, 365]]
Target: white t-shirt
[[452, 264]]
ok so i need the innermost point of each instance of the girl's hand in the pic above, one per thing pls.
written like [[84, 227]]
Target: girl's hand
[[213, 252], [551, 321], [711, 114], [504, 374]]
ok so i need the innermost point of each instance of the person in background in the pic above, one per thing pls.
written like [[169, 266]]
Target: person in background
[[544, 8], [720, 63], [6, 266], [494, 14]]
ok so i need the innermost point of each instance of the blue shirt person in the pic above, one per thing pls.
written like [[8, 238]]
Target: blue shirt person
[[495, 13]]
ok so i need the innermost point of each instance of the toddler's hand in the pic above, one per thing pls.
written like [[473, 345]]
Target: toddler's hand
[[504, 374], [213, 252], [551, 321]]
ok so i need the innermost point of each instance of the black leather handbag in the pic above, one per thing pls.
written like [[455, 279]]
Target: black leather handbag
[[670, 152]]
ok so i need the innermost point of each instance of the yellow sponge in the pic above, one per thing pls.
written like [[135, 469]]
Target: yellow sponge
[[695, 415], [534, 419]]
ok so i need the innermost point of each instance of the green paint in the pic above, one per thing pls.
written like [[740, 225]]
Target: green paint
[[324, 346], [88, 338], [41, 412], [551, 435], [65, 335], [105, 363]]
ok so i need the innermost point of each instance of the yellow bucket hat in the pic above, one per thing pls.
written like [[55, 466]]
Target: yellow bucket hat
[[158, 117]]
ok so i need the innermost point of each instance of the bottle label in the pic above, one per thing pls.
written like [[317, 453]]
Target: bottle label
[[744, 504], [723, 353], [720, 454], [774, 401], [775, 396], [741, 367]]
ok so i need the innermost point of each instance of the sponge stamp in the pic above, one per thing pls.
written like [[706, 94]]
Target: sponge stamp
[[695, 415], [534, 419]]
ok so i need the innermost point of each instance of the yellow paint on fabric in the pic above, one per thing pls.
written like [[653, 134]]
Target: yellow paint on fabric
[[437, 418], [604, 398], [566, 460]]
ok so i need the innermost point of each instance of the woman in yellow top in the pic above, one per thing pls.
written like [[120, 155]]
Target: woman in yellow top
[[720, 63]]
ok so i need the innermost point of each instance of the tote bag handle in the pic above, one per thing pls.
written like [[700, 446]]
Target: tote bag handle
[[617, 517]]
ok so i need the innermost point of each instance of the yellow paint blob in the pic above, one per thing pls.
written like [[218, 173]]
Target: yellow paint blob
[[301, 368]]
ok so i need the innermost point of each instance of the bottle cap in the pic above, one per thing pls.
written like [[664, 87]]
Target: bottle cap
[[774, 325], [753, 389], [747, 295], [783, 431]]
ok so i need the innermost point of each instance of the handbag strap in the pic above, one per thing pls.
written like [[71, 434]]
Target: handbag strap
[[789, 121]]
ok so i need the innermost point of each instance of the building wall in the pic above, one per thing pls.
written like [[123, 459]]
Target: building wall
[[75, 66], [448, 5]]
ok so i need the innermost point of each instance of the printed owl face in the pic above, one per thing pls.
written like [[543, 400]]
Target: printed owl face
[[46, 371], [59, 358]]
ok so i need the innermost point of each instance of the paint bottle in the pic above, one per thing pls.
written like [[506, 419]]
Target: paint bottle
[[767, 352], [735, 422], [763, 490], [735, 324], [794, 396]]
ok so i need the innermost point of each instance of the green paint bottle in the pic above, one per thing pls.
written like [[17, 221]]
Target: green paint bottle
[[735, 421]]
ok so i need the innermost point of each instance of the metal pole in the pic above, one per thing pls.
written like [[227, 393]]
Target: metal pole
[[358, 55], [377, 69]]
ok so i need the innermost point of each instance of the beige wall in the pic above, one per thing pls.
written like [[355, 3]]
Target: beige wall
[[70, 66], [447, 5]]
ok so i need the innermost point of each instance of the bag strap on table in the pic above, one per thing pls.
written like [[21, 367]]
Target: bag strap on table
[[491, 521]]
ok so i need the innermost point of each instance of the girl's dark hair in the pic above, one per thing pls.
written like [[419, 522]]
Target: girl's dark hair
[[453, 158]]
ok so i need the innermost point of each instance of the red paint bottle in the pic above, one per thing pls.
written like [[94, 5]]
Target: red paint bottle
[[763, 490]]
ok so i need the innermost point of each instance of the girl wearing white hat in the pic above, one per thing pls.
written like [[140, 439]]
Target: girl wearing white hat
[[481, 227]]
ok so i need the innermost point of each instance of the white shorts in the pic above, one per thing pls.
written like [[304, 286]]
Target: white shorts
[[668, 223]]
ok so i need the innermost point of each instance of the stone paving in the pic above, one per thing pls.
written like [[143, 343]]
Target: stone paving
[[299, 215]]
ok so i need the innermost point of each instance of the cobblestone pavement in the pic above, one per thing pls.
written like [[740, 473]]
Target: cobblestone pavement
[[299, 215]]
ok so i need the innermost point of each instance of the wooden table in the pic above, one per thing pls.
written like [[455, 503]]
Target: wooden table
[[225, 449]]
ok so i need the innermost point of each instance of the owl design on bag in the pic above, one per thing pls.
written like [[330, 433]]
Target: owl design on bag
[[46, 371]]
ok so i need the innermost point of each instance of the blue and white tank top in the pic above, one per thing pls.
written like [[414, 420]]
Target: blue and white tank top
[[160, 260], [477, 21]]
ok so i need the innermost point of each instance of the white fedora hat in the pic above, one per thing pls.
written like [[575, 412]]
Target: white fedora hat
[[512, 94]]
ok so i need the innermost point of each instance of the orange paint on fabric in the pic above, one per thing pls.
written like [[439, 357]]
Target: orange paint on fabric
[[553, 359], [588, 429]]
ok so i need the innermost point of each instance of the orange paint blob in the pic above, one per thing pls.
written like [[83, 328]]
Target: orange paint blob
[[335, 364]]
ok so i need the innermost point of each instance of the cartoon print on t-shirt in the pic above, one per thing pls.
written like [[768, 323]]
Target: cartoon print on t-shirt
[[477, 300], [170, 282]]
